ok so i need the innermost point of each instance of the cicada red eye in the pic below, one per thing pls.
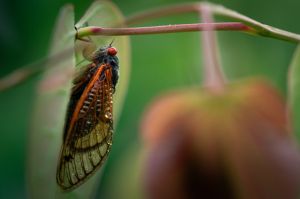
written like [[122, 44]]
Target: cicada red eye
[[112, 51]]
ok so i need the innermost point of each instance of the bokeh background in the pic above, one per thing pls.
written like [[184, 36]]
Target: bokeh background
[[159, 63]]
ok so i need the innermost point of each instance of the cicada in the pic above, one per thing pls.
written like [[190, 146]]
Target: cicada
[[88, 130]]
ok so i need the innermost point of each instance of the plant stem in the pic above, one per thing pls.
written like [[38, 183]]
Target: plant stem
[[161, 12], [213, 75], [23, 73], [255, 27], [244, 24], [93, 30], [16, 77]]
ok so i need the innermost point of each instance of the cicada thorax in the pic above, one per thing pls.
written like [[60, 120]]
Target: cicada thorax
[[89, 122]]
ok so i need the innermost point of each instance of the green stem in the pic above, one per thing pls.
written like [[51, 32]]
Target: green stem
[[259, 28]]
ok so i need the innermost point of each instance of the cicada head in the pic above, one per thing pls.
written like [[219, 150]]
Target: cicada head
[[106, 55]]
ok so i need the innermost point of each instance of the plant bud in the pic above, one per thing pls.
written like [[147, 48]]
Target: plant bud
[[233, 144]]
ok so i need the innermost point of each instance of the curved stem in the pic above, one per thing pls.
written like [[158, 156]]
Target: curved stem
[[213, 75], [27, 71], [162, 12], [255, 27], [244, 24]]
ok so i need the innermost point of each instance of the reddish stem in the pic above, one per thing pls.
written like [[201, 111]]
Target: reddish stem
[[227, 26], [161, 12], [213, 75]]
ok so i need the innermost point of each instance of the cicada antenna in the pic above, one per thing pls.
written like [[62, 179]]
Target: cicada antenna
[[110, 45]]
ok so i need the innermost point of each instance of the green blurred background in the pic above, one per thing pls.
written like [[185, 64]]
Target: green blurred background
[[159, 63]]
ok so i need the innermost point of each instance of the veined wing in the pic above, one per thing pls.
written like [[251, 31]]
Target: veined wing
[[88, 138]]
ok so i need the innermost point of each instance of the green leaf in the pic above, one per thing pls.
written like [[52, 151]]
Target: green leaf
[[294, 94], [106, 14], [49, 112]]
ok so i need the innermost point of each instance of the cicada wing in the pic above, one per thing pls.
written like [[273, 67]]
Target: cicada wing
[[89, 140]]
